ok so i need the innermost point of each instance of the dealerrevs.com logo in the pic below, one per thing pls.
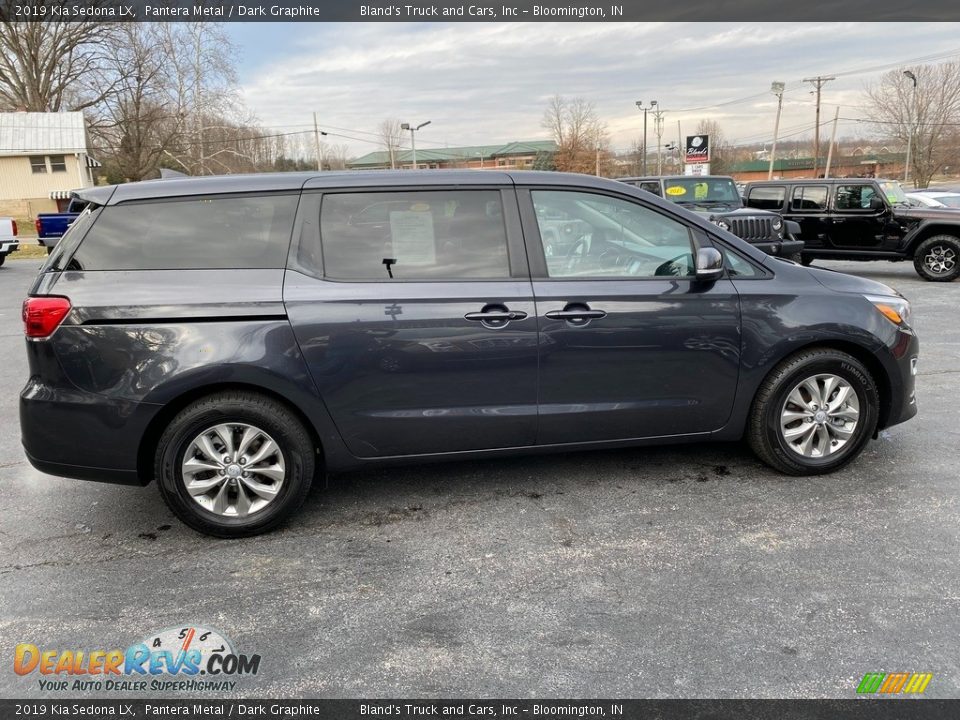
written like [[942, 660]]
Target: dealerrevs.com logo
[[190, 659]]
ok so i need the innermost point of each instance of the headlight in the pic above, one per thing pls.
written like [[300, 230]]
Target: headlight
[[722, 224], [895, 309], [778, 224]]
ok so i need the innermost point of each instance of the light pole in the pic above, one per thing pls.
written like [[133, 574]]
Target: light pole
[[777, 89], [906, 167], [413, 142], [653, 104], [317, 132]]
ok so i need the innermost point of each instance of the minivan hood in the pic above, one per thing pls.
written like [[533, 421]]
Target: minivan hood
[[841, 282]]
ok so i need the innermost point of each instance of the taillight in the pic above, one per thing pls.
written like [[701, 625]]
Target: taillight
[[43, 315], [14, 223], [36, 224]]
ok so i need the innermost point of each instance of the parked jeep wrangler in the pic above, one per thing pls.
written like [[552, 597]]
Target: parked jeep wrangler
[[716, 198], [864, 219]]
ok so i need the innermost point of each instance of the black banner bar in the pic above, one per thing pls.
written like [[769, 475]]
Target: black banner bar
[[854, 709], [475, 11]]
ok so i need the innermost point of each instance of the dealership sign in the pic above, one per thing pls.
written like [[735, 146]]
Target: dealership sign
[[698, 149]]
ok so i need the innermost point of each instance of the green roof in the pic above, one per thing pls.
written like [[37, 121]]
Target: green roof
[[453, 154], [807, 162]]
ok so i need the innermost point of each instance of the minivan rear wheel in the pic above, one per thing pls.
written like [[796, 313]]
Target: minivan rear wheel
[[814, 413], [234, 464]]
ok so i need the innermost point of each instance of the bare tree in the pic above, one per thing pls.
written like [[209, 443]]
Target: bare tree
[[925, 115], [391, 135], [581, 138], [54, 66], [137, 122], [335, 157]]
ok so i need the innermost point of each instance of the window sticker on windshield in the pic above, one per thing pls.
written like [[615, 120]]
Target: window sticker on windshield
[[700, 191], [411, 235], [676, 190]]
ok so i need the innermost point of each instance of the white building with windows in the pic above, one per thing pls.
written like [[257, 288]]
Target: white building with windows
[[43, 156]]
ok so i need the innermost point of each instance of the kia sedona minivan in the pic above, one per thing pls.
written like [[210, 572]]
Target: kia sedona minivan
[[233, 338]]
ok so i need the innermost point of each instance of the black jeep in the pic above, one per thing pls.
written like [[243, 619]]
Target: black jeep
[[716, 198], [864, 219]]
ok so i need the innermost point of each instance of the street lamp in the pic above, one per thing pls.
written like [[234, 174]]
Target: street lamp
[[653, 104], [413, 142], [777, 89], [906, 167]]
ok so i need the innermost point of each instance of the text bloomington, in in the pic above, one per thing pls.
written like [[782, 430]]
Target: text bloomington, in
[[490, 12]]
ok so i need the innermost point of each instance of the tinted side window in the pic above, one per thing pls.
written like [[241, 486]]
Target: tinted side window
[[651, 187], [588, 235], [854, 197], [810, 198], [431, 235], [199, 233], [767, 198]]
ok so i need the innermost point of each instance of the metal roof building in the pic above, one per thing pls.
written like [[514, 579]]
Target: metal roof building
[[514, 155]]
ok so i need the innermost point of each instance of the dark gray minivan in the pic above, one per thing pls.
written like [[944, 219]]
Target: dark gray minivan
[[234, 337]]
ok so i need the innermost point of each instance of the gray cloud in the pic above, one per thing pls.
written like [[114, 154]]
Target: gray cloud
[[486, 83]]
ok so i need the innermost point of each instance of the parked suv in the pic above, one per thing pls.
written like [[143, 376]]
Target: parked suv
[[717, 198], [864, 219], [232, 338]]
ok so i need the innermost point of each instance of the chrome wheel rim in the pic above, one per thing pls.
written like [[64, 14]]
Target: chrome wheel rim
[[941, 259], [819, 416], [233, 470]]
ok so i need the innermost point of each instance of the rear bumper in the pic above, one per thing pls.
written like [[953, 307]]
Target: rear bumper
[[75, 434], [9, 246]]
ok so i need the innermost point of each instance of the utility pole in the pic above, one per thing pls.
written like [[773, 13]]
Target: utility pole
[[833, 139], [777, 89], [680, 149], [658, 125], [316, 134], [818, 82]]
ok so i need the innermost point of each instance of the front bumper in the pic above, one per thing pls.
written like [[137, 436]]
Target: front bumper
[[903, 396], [780, 248]]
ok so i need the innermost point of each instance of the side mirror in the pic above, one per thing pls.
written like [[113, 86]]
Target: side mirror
[[709, 264], [876, 203]]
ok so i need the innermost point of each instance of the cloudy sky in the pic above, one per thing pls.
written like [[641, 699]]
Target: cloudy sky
[[489, 83]]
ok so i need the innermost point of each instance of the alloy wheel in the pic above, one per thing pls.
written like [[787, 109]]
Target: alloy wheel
[[819, 416], [233, 469]]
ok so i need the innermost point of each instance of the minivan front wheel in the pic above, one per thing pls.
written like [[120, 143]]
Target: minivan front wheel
[[814, 413], [234, 464]]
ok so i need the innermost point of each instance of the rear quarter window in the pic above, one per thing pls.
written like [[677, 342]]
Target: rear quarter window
[[766, 198], [190, 234]]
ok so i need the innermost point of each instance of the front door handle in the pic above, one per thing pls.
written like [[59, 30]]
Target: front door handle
[[507, 315]]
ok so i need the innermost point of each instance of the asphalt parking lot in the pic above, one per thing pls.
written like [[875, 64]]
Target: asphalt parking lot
[[689, 571]]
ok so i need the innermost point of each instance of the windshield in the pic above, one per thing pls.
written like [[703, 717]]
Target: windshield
[[701, 190], [894, 193]]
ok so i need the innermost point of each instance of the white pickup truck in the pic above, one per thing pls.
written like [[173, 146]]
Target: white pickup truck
[[8, 237]]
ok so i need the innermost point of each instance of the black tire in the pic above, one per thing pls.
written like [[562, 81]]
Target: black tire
[[796, 257], [3, 259], [764, 429], [806, 260], [282, 426], [49, 249], [937, 258]]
